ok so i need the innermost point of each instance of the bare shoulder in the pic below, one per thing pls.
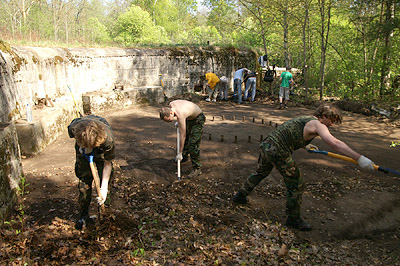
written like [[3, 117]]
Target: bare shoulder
[[311, 129]]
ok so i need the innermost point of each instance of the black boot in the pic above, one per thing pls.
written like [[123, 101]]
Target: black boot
[[240, 198], [83, 221], [298, 223], [185, 158]]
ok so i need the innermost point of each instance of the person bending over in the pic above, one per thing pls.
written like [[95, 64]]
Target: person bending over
[[93, 136], [190, 121], [276, 151]]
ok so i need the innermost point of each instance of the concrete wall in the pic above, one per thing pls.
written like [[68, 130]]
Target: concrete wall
[[30, 71], [10, 168]]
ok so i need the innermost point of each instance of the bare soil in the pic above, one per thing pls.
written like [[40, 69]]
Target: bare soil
[[154, 219]]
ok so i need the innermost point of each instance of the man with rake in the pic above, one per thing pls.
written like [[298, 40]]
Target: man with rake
[[276, 151]]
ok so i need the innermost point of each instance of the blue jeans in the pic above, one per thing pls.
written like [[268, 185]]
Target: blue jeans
[[250, 84], [237, 90]]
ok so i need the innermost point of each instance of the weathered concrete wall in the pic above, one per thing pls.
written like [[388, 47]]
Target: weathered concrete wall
[[10, 168], [48, 123], [30, 71], [99, 101]]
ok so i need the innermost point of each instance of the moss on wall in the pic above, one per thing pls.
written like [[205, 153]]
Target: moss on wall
[[17, 60]]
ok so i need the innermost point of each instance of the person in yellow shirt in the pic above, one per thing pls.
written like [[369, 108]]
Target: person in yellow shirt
[[212, 88]]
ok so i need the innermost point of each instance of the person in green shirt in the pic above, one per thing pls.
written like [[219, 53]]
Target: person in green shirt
[[286, 78], [276, 151]]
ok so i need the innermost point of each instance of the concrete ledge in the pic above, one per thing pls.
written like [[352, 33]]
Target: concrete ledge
[[95, 102], [10, 169], [48, 123]]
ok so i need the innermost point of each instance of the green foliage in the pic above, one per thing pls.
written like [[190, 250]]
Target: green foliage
[[202, 34], [98, 33], [394, 144], [139, 252], [136, 27], [362, 54]]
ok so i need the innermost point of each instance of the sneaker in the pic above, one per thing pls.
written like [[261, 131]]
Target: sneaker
[[280, 107], [208, 99], [195, 173], [298, 223], [286, 106], [240, 198], [214, 100]]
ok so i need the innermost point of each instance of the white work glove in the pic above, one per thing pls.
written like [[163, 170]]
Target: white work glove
[[179, 157], [365, 163], [102, 198], [311, 147]]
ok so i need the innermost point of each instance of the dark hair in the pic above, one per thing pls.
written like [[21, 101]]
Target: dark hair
[[329, 111], [165, 111]]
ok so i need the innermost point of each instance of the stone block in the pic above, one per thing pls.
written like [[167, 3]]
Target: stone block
[[99, 101], [10, 169], [48, 123]]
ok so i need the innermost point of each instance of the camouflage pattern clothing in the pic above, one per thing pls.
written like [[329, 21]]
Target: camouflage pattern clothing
[[276, 151], [194, 132], [106, 151]]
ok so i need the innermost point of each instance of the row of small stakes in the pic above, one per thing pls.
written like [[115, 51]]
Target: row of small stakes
[[243, 119]]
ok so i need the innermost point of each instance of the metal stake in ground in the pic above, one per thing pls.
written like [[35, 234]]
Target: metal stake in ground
[[178, 149]]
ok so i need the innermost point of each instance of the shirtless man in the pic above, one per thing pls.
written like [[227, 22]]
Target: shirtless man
[[190, 121], [276, 151]]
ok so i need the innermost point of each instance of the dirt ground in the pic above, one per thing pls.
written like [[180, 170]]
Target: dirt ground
[[156, 220]]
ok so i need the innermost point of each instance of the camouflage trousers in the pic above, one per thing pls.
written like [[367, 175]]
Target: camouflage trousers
[[270, 158], [194, 132], [84, 173]]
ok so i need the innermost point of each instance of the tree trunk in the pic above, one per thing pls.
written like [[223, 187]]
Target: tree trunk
[[388, 34], [306, 5], [285, 34], [324, 42]]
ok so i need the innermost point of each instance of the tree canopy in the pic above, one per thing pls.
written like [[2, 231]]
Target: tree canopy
[[347, 49]]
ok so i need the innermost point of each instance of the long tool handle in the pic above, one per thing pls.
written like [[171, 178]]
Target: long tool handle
[[73, 98], [178, 141], [97, 184], [348, 159]]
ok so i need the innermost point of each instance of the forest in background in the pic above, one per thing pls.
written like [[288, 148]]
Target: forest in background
[[347, 49]]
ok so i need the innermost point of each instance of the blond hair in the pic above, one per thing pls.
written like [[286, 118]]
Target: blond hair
[[165, 111], [329, 111], [90, 133]]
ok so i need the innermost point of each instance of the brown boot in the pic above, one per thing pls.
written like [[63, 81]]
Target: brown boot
[[195, 173]]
